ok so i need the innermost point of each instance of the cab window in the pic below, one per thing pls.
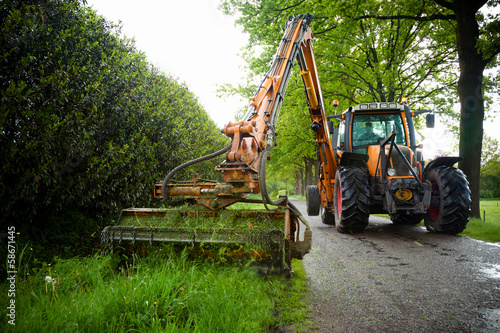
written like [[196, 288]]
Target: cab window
[[371, 129]]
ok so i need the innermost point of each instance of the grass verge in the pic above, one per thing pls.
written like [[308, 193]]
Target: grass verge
[[289, 297], [487, 230], [164, 292]]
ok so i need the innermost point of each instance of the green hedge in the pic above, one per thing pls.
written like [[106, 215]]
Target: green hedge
[[86, 123]]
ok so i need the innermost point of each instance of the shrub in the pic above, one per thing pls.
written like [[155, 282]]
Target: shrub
[[86, 123]]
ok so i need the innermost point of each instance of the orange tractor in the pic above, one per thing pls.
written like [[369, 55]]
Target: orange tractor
[[355, 178], [379, 168]]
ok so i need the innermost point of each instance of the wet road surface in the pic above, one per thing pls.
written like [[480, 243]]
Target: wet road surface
[[395, 278]]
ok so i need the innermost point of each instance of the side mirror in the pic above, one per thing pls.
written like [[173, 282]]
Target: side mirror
[[429, 120], [330, 126], [334, 134]]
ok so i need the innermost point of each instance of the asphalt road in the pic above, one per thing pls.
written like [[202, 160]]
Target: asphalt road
[[395, 278]]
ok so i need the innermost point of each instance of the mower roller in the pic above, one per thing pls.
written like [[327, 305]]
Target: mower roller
[[264, 236]]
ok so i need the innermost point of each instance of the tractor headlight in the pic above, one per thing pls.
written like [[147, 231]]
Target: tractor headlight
[[391, 172]]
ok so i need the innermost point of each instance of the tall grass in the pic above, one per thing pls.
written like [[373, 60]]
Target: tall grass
[[164, 292]]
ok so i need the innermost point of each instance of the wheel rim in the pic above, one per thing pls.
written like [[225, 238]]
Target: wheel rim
[[433, 213]]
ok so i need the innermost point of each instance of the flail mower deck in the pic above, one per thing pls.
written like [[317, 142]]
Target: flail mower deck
[[271, 237]]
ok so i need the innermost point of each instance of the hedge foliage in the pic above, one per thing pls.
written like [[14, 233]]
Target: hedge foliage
[[86, 123]]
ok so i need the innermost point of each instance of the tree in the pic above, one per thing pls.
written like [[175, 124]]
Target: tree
[[473, 61], [490, 151], [360, 59], [490, 179], [478, 44], [295, 153], [418, 30], [490, 169]]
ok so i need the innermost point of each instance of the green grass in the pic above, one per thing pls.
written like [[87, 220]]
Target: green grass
[[163, 292], [492, 209], [291, 305], [489, 229]]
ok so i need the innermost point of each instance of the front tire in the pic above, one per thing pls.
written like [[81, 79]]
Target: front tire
[[351, 199], [450, 200], [312, 200]]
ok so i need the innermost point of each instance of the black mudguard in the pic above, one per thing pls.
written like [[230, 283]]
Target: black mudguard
[[354, 159], [448, 161]]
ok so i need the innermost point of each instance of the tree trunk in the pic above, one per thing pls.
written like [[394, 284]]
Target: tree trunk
[[299, 180], [470, 85], [308, 172]]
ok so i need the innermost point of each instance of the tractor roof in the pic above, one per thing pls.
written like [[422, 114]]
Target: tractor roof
[[375, 106], [378, 106]]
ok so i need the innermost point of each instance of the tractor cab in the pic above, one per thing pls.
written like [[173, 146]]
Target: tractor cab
[[369, 124], [372, 128]]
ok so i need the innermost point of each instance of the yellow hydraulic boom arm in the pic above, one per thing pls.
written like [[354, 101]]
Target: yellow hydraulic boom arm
[[254, 136]]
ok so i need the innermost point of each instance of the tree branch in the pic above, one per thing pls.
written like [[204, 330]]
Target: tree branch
[[289, 7], [409, 17], [445, 4], [322, 32], [494, 53]]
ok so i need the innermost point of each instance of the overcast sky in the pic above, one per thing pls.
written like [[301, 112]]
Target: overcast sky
[[189, 39]]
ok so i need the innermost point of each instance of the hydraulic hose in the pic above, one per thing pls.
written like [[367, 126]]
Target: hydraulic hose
[[266, 200], [298, 214], [184, 165]]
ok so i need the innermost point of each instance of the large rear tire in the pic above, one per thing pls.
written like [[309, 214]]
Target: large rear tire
[[450, 200], [312, 200], [351, 199]]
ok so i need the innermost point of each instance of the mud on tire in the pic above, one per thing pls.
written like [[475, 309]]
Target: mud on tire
[[450, 200], [351, 199]]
